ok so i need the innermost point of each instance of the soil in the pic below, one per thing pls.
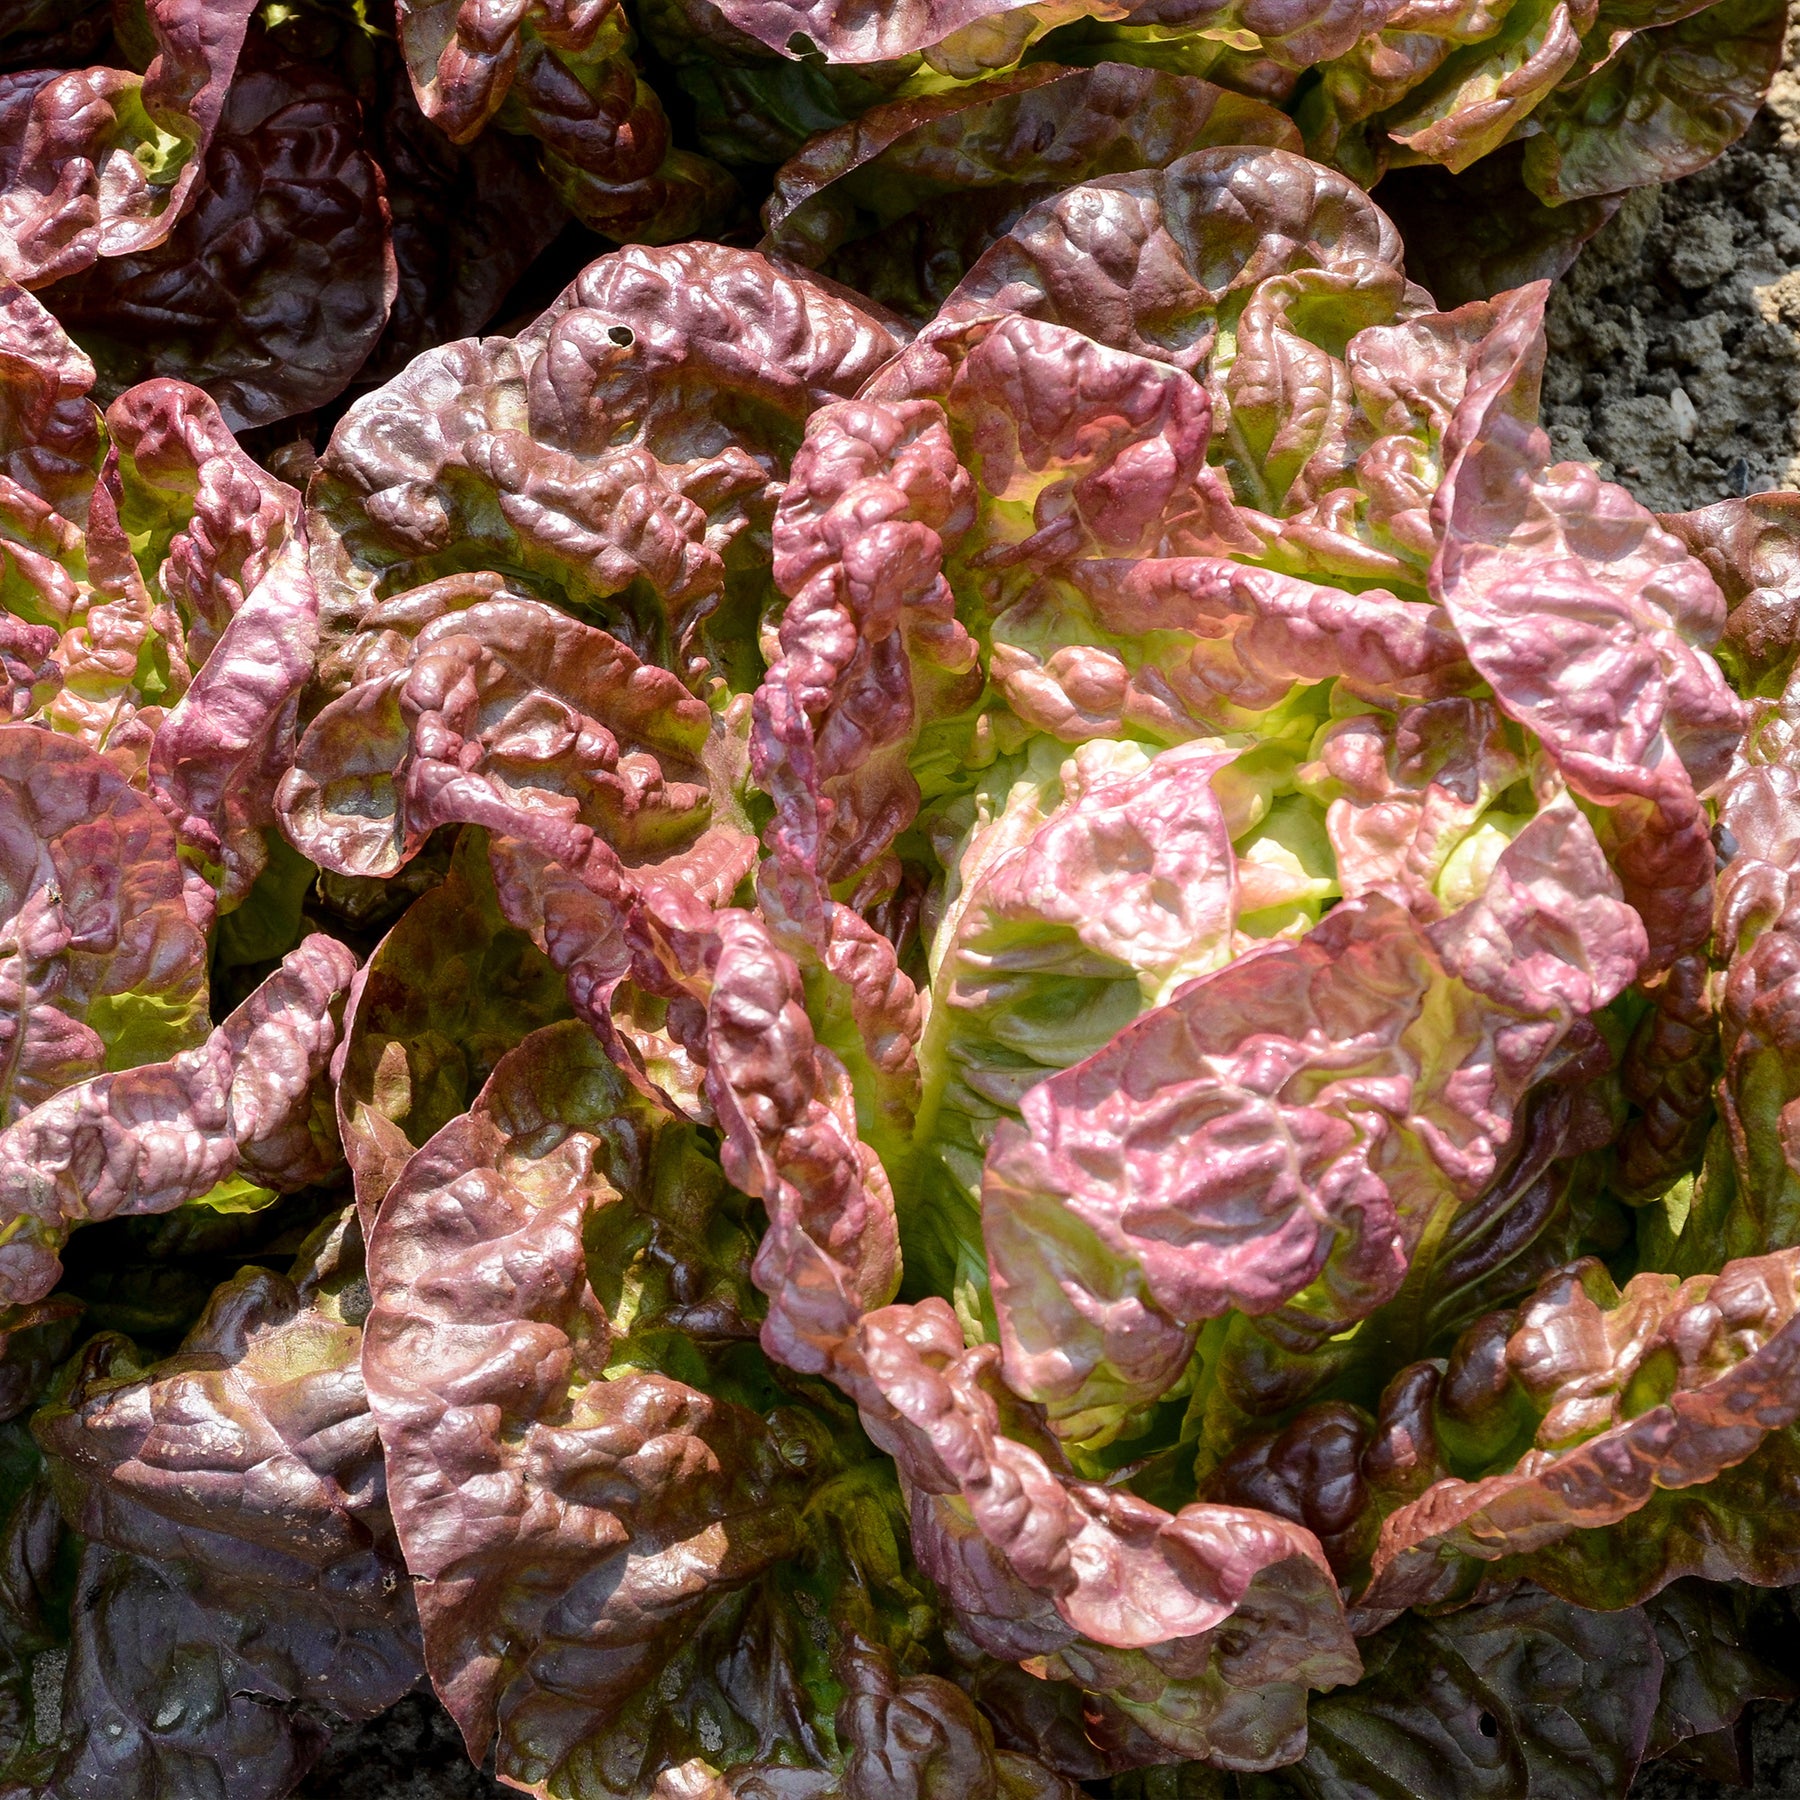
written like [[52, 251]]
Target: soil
[[1675, 340], [1774, 1759], [412, 1752]]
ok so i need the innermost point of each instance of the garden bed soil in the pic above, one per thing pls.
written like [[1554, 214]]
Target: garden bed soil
[[1675, 340]]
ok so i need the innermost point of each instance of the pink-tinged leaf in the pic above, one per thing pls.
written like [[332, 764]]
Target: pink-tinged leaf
[[476, 706], [1174, 647], [1662, 104], [1591, 623], [609, 457], [1670, 1069], [275, 284], [217, 757], [870, 646], [903, 200], [1086, 888], [795, 28], [49, 435], [1177, 247], [786, 1113], [1288, 1120], [228, 552], [1752, 549], [102, 969], [602, 1527], [28, 670], [1750, 1185], [102, 162], [250, 1100], [1620, 1396], [1459, 120], [240, 1566], [1132, 1604], [605, 150], [1404, 790], [138, 575], [562, 75]]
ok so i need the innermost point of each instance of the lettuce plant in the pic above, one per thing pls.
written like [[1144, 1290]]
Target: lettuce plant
[[297, 220], [1576, 102], [1043, 1054], [1304, 777]]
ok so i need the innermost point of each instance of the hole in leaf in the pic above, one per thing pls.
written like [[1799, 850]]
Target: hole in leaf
[[801, 45], [622, 335], [1488, 1725]]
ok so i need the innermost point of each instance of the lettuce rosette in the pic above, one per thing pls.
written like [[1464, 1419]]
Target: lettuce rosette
[[1122, 889], [1049, 1053], [1293, 806], [1533, 119], [197, 1551], [158, 623]]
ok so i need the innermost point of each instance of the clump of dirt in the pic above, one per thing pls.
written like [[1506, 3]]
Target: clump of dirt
[[1675, 340], [1773, 1763], [412, 1752]]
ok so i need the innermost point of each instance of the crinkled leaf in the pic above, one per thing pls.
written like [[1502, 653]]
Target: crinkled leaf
[[239, 1555], [870, 646], [1590, 622], [593, 1474], [1752, 548], [1448, 84], [609, 459], [902, 202], [795, 27], [102, 969], [1082, 891], [1588, 1403], [1481, 94], [1658, 107], [476, 704], [143, 565], [101, 161], [274, 286], [148, 1138], [1297, 1117], [560, 74], [1669, 1072]]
